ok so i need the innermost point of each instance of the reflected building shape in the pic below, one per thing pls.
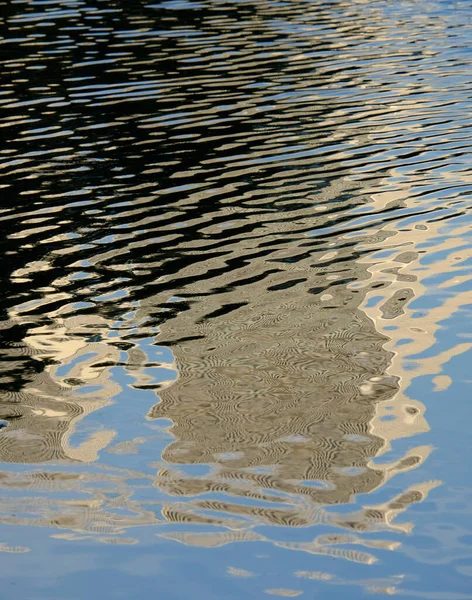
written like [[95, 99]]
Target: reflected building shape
[[273, 361]]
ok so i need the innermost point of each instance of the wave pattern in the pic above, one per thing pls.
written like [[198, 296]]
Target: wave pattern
[[235, 240]]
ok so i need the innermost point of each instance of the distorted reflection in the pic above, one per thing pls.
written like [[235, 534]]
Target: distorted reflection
[[236, 288]]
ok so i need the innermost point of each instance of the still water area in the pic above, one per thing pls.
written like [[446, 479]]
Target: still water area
[[236, 299]]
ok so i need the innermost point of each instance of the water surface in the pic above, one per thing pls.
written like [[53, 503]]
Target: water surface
[[235, 320]]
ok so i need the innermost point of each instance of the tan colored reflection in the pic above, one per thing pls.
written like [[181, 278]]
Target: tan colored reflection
[[49, 405], [272, 396], [278, 392], [102, 505], [414, 331]]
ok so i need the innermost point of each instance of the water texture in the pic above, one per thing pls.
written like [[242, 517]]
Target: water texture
[[235, 319]]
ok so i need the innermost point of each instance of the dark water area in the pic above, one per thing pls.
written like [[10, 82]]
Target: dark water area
[[236, 299]]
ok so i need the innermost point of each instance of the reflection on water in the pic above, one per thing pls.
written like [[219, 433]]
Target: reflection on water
[[236, 299]]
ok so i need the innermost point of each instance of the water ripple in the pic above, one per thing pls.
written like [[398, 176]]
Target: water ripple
[[236, 284]]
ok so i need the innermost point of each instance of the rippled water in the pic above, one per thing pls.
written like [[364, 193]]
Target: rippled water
[[236, 313]]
